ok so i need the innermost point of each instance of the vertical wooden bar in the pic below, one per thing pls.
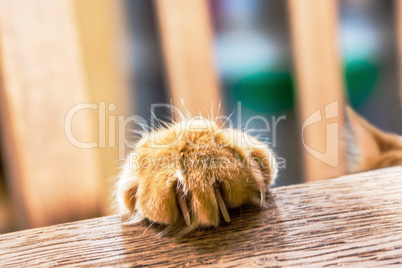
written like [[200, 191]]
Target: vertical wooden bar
[[399, 37], [102, 30], [187, 41], [314, 28], [5, 211], [42, 78]]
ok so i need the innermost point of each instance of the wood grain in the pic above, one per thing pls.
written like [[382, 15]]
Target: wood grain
[[319, 82], [353, 220], [42, 78], [187, 42]]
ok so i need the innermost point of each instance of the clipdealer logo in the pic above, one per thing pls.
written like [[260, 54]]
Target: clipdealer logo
[[331, 154]]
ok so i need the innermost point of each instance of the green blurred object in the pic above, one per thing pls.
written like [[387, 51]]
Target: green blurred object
[[361, 77], [265, 92]]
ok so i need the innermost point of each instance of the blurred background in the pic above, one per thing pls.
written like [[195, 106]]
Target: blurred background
[[278, 60]]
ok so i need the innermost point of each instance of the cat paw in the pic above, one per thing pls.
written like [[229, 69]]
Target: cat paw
[[195, 172]]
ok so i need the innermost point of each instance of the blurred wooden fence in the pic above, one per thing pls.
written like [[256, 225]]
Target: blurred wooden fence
[[314, 28], [399, 37], [56, 54], [187, 41]]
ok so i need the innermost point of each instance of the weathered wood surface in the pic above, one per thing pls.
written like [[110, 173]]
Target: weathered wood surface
[[353, 220]]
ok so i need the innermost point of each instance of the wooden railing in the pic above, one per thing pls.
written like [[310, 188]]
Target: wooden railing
[[351, 220]]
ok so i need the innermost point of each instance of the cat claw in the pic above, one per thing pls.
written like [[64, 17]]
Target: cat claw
[[221, 204], [259, 179], [183, 206]]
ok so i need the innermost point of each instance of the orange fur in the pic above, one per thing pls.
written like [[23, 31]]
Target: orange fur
[[377, 149], [201, 158]]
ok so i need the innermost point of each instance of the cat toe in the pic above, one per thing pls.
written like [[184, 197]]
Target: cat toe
[[204, 207], [157, 201]]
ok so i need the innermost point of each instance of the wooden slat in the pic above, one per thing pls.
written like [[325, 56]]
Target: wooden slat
[[354, 220], [399, 40], [102, 30], [51, 180], [319, 82], [187, 42], [5, 210]]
